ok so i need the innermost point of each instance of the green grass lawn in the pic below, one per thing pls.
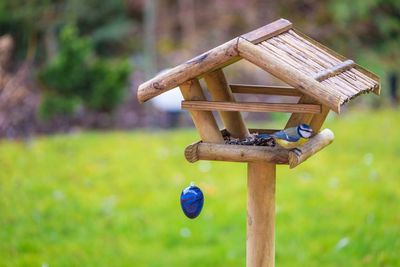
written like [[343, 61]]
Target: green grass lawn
[[111, 199]]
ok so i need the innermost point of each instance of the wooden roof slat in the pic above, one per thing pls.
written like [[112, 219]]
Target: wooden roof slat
[[251, 106], [314, 60], [352, 74], [298, 55], [318, 58], [288, 74], [331, 53], [289, 61], [344, 89]]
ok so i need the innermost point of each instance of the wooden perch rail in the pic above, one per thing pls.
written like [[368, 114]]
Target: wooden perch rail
[[220, 91], [264, 90], [251, 106], [235, 153], [203, 120], [315, 144], [277, 155]]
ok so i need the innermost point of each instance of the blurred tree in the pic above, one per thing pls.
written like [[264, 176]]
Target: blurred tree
[[35, 25], [75, 76], [150, 10], [369, 28]]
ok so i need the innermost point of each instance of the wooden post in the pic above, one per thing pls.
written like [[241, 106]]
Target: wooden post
[[203, 120], [260, 249], [220, 91]]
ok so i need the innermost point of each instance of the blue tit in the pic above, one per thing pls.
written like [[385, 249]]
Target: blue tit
[[291, 137]]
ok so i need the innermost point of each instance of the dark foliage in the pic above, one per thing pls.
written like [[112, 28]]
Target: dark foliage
[[76, 77]]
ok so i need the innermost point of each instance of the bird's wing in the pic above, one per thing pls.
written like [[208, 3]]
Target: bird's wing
[[283, 135]]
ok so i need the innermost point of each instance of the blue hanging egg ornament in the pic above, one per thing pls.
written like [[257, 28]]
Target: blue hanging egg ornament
[[192, 201]]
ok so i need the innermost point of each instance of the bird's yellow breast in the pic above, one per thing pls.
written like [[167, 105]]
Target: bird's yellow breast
[[289, 145]]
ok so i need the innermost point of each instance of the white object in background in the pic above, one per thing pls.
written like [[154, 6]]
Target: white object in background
[[169, 101]]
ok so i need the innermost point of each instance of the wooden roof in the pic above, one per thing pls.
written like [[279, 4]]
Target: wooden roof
[[296, 59]]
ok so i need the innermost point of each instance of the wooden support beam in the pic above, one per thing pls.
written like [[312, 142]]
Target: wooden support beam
[[236, 153], [330, 72], [251, 107], [203, 120], [220, 91], [193, 68], [260, 245], [289, 74], [264, 90], [318, 119], [298, 118], [315, 144]]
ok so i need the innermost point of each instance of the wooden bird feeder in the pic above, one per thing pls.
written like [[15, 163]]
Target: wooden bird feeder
[[321, 79]]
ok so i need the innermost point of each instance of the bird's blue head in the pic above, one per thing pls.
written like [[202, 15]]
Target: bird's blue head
[[304, 130]]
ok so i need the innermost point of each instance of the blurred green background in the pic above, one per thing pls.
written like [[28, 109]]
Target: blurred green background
[[87, 178], [112, 199]]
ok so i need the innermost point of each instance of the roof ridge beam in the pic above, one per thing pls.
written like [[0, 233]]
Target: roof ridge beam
[[270, 30]]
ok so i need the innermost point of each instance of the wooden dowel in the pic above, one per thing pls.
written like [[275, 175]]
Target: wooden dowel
[[260, 245], [315, 144], [332, 71], [264, 90], [288, 61], [220, 91], [219, 56], [347, 89], [310, 52], [292, 76], [297, 56], [251, 107], [236, 153], [320, 47], [372, 77], [203, 120], [352, 77]]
